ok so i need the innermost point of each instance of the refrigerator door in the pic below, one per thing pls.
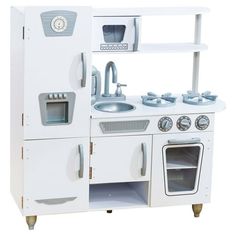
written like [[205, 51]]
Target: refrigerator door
[[57, 72]]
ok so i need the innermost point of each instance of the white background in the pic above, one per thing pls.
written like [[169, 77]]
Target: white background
[[159, 73]]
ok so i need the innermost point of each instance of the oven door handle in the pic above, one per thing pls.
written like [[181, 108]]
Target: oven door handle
[[136, 34], [184, 141], [144, 166], [81, 162], [84, 69]]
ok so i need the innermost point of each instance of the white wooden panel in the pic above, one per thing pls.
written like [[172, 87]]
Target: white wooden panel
[[152, 127], [158, 195], [53, 64], [120, 159], [17, 83], [51, 171]]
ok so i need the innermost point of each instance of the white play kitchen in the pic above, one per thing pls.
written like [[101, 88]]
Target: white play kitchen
[[78, 145]]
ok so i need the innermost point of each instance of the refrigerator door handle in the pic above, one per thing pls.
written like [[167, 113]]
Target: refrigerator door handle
[[84, 69]]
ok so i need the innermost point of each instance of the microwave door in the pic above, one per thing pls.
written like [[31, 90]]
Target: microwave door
[[114, 33]]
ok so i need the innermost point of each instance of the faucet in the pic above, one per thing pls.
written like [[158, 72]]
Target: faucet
[[110, 65]]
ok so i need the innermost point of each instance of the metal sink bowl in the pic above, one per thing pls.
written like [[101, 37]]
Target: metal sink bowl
[[115, 107]]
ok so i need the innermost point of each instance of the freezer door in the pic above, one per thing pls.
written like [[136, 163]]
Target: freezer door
[[56, 176], [57, 72]]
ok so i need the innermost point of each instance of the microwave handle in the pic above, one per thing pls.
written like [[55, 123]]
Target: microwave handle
[[136, 34], [84, 69], [184, 141]]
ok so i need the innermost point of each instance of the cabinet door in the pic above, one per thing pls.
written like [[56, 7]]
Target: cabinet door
[[121, 159], [56, 175], [56, 65]]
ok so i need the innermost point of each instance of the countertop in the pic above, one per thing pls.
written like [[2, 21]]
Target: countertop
[[142, 110]]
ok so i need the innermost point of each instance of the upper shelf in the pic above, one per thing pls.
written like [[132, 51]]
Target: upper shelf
[[164, 48], [172, 47], [149, 11]]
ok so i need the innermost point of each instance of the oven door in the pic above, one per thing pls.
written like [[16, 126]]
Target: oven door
[[182, 165], [181, 168], [115, 33]]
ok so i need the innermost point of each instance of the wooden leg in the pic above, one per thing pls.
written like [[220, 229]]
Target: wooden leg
[[109, 211], [197, 208], [31, 220]]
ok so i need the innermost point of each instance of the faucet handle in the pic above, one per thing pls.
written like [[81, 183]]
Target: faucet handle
[[118, 92], [121, 85]]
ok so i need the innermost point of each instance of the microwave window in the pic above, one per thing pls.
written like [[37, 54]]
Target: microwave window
[[113, 33]]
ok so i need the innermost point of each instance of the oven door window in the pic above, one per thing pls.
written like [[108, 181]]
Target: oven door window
[[113, 33], [182, 165]]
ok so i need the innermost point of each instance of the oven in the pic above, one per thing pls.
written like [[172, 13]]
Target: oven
[[116, 33], [181, 168]]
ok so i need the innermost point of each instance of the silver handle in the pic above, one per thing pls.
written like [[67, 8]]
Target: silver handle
[[121, 85], [184, 141], [144, 167], [81, 168], [136, 35], [84, 69]]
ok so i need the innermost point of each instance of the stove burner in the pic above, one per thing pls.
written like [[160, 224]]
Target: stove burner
[[199, 99], [153, 100]]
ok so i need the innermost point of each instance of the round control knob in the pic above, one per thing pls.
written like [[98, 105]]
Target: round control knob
[[59, 24], [202, 122], [183, 123], [165, 124]]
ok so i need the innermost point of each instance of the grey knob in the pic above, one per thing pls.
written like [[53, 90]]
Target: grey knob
[[165, 124], [184, 123], [202, 122]]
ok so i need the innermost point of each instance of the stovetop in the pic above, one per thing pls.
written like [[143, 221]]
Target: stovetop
[[167, 99]]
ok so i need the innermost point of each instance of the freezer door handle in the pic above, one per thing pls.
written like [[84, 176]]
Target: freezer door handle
[[81, 168], [84, 69], [184, 141], [136, 35], [144, 167]]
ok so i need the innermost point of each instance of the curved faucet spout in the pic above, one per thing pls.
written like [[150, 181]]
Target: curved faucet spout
[[110, 65]]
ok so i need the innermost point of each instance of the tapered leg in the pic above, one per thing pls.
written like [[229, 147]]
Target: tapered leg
[[197, 208], [31, 220], [109, 211]]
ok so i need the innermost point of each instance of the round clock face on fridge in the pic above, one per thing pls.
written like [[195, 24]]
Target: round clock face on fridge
[[59, 24]]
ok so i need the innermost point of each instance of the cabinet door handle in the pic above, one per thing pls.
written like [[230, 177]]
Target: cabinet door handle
[[184, 141], [84, 69], [81, 168], [136, 35], [144, 167]]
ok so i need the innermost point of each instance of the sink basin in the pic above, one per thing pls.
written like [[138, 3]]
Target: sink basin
[[114, 107]]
